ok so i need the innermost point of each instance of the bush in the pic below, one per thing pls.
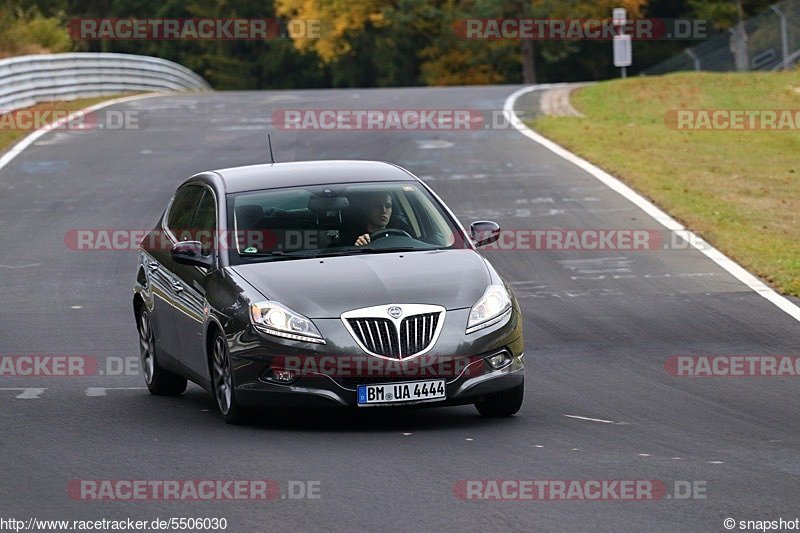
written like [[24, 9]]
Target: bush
[[24, 33]]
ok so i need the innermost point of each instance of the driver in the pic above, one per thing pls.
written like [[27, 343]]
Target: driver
[[377, 212]]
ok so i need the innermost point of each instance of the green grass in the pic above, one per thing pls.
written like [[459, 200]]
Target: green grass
[[9, 136], [740, 190]]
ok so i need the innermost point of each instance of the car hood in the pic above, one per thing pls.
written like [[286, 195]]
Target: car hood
[[327, 287]]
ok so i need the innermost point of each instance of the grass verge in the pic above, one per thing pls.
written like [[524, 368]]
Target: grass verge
[[13, 127], [740, 190]]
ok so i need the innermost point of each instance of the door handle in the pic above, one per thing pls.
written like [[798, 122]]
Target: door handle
[[153, 265], [177, 287]]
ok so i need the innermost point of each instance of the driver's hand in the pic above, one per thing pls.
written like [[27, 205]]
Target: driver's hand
[[362, 240]]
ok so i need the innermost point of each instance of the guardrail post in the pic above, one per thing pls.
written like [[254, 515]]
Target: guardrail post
[[784, 37], [695, 59]]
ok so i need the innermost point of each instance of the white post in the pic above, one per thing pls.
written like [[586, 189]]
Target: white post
[[622, 42]]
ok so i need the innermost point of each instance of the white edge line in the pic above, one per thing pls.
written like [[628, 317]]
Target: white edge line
[[592, 419], [31, 138], [660, 216]]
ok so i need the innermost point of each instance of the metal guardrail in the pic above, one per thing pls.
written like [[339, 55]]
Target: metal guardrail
[[26, 80], [769, 41]]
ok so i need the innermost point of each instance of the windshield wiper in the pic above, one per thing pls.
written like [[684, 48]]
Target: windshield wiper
[[334, 253], [276, 254], [368, 250], [382, 250], [279, 254]]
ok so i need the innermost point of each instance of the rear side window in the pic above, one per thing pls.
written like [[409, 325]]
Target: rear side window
[[183, 207]]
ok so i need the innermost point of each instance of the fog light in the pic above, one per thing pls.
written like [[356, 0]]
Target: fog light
[[281, 376], [500, 360]]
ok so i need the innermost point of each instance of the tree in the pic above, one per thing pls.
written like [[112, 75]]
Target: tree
[[444, 57]]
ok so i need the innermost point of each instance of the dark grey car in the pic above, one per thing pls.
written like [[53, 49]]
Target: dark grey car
[[341, 283]]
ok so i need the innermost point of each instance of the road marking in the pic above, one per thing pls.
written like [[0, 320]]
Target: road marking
[[58, 138], [660, 216], [647, 276], [540, 292], [597, 420], [12, 267], [27, 394], [433, 144], [644, 455], [34, 136], [540, 200], [237, 128], [101, 391]]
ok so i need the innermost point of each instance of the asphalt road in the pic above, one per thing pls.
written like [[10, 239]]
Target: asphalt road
[[599, 327]]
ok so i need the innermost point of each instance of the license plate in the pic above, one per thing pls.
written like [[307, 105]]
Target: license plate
[[411, 391]]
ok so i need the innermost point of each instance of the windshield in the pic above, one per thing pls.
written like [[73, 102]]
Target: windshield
[[340, 219]]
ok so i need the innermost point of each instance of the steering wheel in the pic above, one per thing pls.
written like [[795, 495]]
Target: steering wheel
[[388, 231]]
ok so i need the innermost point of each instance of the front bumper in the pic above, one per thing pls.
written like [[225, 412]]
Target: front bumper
[[325, 390], [329, 374]]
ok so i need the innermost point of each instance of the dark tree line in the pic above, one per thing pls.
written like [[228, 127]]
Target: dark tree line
[[367, 43]]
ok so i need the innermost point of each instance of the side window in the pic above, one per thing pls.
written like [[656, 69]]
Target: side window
[[182, 210], [205, 222]]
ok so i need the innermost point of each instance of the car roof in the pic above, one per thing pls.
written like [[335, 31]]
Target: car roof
[[269, 176]]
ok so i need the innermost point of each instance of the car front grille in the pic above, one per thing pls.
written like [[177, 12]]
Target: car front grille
[[416, 332], [384, 337], [379, 335]]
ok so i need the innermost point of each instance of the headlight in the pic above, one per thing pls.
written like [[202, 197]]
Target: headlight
[[493, 307], [277, 319]]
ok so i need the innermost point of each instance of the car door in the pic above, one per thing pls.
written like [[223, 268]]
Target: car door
[[162, 271], [190, 299], [159, 281]]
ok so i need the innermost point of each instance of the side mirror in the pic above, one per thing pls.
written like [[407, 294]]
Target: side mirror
[[191, 253], [484, 232]]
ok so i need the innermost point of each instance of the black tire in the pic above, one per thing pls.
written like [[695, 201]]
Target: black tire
[[222, 382], [502, 404], [159, 381]]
